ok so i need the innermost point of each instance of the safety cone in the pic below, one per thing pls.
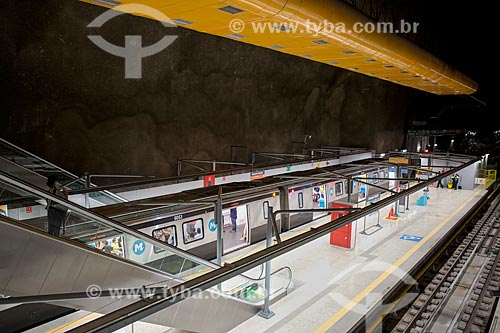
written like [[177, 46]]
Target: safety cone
[[391, 216]]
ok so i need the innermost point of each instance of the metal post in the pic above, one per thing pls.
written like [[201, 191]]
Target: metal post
[[218, 223], [87, 186], [214, 166], [396, 204], [349, 189], [266, 313], [429, 166], [179, 170]]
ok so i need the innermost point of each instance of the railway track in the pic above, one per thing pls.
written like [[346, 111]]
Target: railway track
[[477, 257]]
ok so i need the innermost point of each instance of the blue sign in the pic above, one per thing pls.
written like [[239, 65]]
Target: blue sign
[[139, 247], [212, 226], [411, 238]]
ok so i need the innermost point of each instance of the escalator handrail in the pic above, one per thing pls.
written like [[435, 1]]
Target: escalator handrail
[[68, 174], [11, 180], [71, 242], [105, 220]]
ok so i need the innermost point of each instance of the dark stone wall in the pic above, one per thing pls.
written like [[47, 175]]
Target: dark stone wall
[[66, 100]]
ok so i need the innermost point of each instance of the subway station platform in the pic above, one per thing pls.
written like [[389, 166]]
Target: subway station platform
[[333, 288]]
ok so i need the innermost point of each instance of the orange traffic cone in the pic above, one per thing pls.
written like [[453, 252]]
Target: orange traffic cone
[[390, 216]]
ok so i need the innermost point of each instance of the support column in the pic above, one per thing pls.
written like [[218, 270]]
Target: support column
[[87, 186], [218, 223], [396, 205], [349, 189], [266, 312]]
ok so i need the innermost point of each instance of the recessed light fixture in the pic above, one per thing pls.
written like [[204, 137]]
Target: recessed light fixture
[[231, 10], [388, 66], [182, 21], [238, 36], [348, 52], [333, 63], [282, 28], [276, 47], [111, 3], [320, 42]]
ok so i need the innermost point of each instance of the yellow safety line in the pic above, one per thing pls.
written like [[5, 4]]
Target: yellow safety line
[[77, 322], [359, 297], [380, 318]]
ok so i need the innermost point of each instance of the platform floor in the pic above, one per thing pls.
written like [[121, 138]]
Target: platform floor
[[333, 287]]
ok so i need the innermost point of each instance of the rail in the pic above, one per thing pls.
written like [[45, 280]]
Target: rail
[[150, 305], [29, 161], [182, 179], [165, 258], [101, 222]]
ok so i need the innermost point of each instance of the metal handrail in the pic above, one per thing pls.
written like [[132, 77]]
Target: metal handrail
[[150, 305], [106, 221], [177, 180], [63, 171], [99, 218], [37, 157], [78, 245]]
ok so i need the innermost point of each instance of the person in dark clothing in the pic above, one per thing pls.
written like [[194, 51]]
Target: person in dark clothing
[[56, 213], [233, 213], [107, 247], [440, 183]]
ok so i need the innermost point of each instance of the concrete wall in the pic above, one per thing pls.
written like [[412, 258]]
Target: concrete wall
[[66, 100]]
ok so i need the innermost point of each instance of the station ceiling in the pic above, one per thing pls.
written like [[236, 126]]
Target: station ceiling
[[326, 31]]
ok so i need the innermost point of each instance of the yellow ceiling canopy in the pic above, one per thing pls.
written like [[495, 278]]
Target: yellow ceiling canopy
[[326, 31]]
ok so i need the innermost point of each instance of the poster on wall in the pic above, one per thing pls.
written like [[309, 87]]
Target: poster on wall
[[319, 196], [167, 235], [192, 231], [3, 210], [392, 174], [363, 190]]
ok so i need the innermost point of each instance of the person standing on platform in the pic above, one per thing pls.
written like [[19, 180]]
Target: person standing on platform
[[233, 213], [56, 213], [440, 182], [457, 181], [454, 181]]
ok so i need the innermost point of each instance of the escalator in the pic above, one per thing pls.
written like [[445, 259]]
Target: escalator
[[35, 170], [37, 267]]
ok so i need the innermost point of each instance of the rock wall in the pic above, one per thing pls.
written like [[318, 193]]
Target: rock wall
[[68, 101]]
